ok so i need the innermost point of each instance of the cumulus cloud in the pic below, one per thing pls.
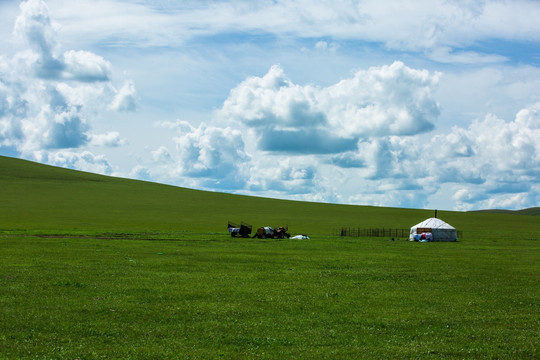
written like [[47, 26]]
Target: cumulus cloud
[[491, 163], [85, 161], [141, 173], [497, 147], [35, 27], [49, 98], [212, 157], [378, 128], [387, 100], [85, 66], [273, 100], [348, 159], [13, 108], [161, 155], [506, 157], [125, 98], [306, 141], [63, 129], [283, 176], [208, 151], [49, 122], [110, 139], [390, 193]]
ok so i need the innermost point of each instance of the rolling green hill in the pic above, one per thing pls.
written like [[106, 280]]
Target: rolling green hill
[[41, 197], [534, 211], [79, 278], [37, 197]]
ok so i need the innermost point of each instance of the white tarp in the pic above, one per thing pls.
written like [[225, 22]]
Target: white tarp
[[439, 230]]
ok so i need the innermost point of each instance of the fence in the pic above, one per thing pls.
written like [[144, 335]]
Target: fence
[[370, 232], [384, 232]]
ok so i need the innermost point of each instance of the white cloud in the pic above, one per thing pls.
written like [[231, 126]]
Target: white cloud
[[49, 99], [501, 146], [283, 176], [63, 129], [495, 162], [85, 161], [387, 100], [492, 163], [35, 27], [372, 194], [12, 109], [211, 152], [423, 26], [48, 121], [125, 98], [161, 155], [141, 173], [78, 95], [205, 157], [509, 20], [110, 139], [489, 161], [348, 159], [326, 46], [444, 54], [86, 66]]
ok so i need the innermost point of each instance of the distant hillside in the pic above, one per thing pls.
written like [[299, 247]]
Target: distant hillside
[[37, 196], [534, 211]]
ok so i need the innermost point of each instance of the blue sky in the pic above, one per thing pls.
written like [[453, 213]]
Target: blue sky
[[425, 104]]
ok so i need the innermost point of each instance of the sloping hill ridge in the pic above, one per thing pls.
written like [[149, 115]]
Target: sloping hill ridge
[[37, 197], [534, 211], [43, 197]]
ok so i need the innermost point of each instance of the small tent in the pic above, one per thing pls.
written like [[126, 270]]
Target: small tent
[[433, 229]]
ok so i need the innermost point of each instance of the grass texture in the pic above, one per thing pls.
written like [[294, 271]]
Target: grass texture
[[95, 267]]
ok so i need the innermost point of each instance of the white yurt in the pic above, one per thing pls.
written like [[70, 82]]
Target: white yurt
[[433, 229]]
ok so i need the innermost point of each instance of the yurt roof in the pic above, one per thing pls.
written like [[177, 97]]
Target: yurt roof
[[434, 223]]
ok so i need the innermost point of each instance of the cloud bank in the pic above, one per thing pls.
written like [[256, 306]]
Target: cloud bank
[[372, 136], [290, 138], [431, 26], [290, 118], [49, 98]]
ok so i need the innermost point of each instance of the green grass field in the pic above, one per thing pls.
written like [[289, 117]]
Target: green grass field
[[95, 267]]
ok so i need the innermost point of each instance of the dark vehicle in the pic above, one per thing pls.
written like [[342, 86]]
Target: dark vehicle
[[239, 231]]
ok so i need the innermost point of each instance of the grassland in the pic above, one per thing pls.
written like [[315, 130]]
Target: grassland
[[96, 267]]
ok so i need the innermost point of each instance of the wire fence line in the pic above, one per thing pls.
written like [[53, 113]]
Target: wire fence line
[[373, 232], [378, 232]]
